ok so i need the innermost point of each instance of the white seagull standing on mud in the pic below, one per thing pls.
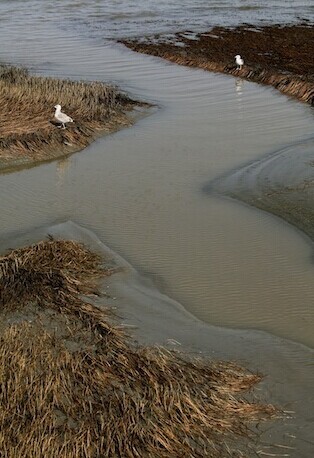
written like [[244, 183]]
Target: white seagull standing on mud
[[62, 117], [239, 61]]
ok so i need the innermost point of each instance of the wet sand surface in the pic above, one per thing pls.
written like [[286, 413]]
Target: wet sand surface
[[281, 183]]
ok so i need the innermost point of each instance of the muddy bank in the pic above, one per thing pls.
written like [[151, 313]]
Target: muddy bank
[[280, 56], [73, 383], [281, 183], [29, 133], [153, 318]]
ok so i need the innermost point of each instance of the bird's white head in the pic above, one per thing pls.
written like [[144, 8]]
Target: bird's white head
[[58, 107], [237, 56]]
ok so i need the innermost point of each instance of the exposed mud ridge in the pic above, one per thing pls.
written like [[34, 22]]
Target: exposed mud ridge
[[281, 183], [280, 56], [73, 384], [28, 131]]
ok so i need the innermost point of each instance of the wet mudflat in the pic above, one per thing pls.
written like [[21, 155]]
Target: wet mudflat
[[277, 55], [281, 183]]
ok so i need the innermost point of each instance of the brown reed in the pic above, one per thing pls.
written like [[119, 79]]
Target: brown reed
[[28, 132], [105, 396]]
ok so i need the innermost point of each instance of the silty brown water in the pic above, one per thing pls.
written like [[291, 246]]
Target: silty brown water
[[141, 192], [141, 189]]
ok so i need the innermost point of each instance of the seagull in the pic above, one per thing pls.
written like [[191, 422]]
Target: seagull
[[62, 117], [239, 61]]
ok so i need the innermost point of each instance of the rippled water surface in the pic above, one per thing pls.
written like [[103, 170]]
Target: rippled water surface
[[140, 190], [124, 18]]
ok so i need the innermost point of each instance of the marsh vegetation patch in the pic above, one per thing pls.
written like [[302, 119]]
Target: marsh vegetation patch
[[28, 131], [276, 55], [73, 383]]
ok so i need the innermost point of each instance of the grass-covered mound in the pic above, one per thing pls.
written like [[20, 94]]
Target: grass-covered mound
[[276, 55], [73, 384], [28, 132]]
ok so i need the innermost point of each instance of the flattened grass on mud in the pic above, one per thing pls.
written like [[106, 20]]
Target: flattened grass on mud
[[276, 55], [72, 383], [28, 132]]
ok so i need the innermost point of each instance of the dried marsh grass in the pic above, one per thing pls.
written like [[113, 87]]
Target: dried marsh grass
[[295, 85], [110, 397], [27, 129]]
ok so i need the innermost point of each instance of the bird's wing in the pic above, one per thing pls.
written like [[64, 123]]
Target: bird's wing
[[64, 118]]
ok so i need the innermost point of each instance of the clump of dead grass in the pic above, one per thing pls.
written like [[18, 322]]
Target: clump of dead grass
[[27, 127], [110, 397]]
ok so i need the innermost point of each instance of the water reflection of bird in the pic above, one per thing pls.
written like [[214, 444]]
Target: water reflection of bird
[[239, 61], [61, 168], [62, 117], [239, 92], [239, 86]]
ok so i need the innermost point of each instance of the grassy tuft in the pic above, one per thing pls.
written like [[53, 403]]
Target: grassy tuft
[[81, 387], [28, 131]]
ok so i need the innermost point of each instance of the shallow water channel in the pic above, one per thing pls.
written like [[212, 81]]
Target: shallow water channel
[[141, 191]]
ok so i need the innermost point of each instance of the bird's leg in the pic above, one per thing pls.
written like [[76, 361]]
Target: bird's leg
[[63, 125]]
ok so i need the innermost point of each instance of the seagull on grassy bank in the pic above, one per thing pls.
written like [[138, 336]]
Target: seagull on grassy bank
[[239, 62], [62, 117]]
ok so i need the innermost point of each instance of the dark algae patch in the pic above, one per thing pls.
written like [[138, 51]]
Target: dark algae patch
[[73, 384], [28, 131], [280, 56]]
